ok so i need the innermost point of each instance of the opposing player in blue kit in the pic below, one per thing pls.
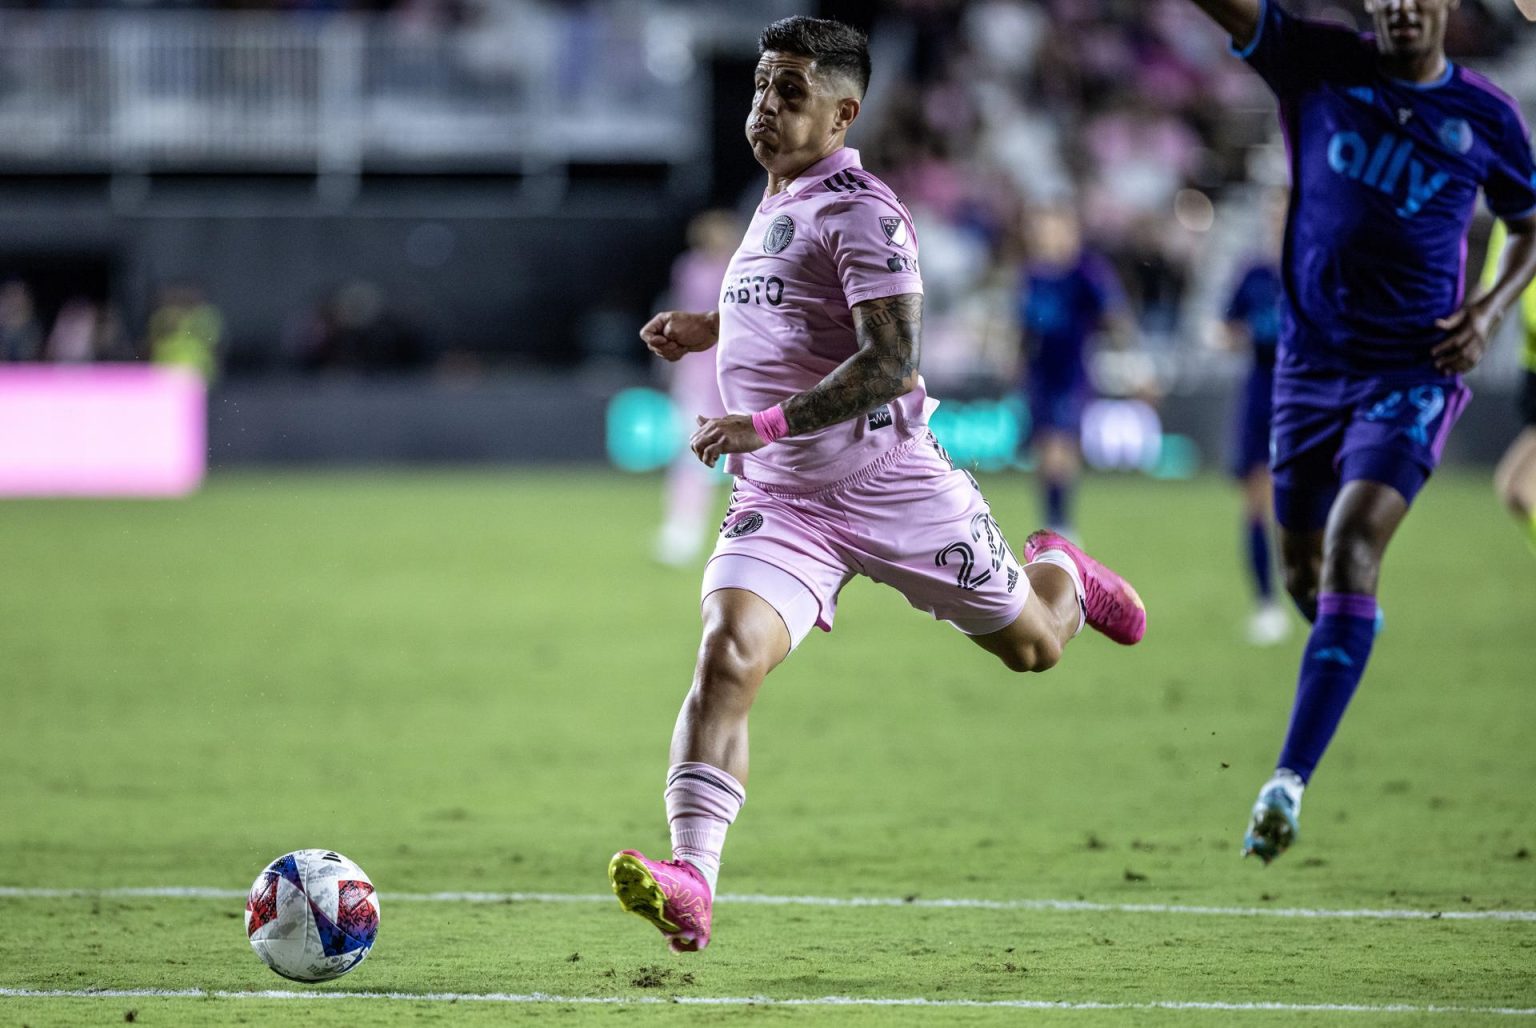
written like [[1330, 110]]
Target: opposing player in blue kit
[[1389, 145], [1068, 294], [1253, 326]]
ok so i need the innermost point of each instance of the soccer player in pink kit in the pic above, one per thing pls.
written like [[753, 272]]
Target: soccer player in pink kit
[[818, 327]]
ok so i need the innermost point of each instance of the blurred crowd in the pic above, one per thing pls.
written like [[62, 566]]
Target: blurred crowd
[[350, 327], [1131, 113], [1128, 117], [447, 10], [183, 329]]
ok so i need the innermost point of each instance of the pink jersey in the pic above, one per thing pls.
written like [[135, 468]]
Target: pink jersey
[[837, 236]]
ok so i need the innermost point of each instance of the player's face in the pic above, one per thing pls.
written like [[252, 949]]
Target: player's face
[[1409, 28], [796, 114], [1053, 234]]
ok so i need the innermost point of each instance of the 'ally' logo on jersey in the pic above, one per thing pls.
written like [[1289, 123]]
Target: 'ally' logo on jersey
[[779, 235], [1385, 166]]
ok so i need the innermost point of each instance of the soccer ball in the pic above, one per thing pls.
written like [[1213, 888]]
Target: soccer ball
[[312, 915]]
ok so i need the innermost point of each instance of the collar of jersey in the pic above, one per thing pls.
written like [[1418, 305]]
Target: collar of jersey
[[831, 164], [1445, 76]]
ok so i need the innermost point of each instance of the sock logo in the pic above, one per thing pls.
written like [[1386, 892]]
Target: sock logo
[[1334, 655]]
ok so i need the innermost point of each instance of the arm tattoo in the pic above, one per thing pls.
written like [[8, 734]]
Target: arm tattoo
[[885, 367]]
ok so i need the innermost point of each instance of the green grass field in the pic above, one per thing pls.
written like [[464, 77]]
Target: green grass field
[[467, 681]]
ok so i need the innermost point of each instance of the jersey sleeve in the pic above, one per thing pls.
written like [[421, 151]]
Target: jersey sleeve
[[1511, 183], [1292, 54], [874, 247]]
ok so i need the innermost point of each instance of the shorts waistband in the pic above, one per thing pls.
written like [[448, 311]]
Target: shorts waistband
[[864, 474]]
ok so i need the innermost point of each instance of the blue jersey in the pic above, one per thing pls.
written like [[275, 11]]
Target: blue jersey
[[1385, 175], [1061, 309], [1257, 304]]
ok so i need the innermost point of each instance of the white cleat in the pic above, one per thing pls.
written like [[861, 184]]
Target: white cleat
[[1275, 822], [1270, 625]]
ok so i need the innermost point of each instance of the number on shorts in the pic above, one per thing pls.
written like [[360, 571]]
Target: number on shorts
[[967, 558]]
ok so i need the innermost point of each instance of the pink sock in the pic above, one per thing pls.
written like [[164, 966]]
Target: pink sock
[[702, 801]]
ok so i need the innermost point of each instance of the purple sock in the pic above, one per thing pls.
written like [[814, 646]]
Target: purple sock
[[1056, 505], [1331, 666], [1258, 559]]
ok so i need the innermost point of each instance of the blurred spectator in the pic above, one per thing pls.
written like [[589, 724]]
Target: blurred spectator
[[185, 330], [73, 339], [21, 338], [355, 328], [113, 343]]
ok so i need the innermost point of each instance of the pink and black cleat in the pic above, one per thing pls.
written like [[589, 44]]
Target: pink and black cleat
[[671, 894], [1109, 603]]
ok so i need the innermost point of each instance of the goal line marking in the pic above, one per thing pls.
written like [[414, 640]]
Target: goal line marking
[[764, 1001], [1056, 905]]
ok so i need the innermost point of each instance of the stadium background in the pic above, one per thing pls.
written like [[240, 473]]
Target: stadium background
[[427, 230], [419, 234]]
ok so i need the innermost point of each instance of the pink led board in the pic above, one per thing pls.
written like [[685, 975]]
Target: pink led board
[[101, 430]]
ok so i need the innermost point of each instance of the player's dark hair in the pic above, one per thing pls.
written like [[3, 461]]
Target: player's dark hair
[[836, 48]]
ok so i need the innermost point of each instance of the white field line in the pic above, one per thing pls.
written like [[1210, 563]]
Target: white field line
[[762, 1001], [1066, 906]]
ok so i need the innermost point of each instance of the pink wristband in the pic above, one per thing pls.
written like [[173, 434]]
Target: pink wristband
[[770, 424]]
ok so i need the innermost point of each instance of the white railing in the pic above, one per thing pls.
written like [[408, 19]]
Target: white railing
[[166, 90]]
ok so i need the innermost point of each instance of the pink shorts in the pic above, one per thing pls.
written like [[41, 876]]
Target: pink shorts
[[911, 520]]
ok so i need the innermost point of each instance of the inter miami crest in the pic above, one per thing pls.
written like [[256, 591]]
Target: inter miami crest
[[895, 230], [746, 526], [779, 235]]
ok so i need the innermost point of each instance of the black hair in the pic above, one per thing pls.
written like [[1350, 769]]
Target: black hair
[[833, 46]]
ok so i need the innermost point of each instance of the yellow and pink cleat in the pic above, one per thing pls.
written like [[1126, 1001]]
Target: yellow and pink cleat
[[671, 894], [1110, 605]]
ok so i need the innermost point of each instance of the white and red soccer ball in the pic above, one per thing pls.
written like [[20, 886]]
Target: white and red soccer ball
[[312, 915]]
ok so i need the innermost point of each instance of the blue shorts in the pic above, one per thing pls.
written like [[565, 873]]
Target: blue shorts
[[1332, 427], [1253, 414]]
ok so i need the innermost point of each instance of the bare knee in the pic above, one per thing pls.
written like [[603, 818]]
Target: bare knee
[[1353, 563], [731, 665], [1033, 655]]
